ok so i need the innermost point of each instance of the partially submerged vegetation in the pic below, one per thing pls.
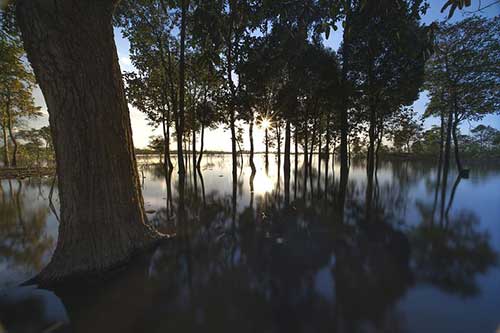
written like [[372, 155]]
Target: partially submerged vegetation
[[204, 64]]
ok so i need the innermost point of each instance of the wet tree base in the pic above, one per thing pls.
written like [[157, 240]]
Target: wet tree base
[[95, 277], [19, 173]]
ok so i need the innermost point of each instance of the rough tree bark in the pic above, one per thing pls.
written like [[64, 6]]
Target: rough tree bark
[[71, 48]]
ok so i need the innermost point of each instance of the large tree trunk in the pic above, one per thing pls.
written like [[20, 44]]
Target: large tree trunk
[[71, 48]]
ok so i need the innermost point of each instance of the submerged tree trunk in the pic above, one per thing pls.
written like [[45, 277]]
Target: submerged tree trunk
[[440, 163], [446, 162], [71, 48]]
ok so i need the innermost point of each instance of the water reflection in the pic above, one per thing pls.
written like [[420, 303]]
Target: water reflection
[[24, 244], [322, 253]]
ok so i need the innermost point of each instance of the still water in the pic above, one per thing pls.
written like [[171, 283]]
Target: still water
[[252, 262]]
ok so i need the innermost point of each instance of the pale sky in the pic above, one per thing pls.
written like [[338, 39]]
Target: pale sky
[[220, 138]]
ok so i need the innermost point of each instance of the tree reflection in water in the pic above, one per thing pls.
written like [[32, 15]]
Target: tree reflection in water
[[23, 241], [273, 261]]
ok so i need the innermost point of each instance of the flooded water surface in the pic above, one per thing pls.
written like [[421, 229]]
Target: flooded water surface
[[261, 256]]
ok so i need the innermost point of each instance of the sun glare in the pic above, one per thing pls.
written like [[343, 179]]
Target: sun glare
[[265, 124]]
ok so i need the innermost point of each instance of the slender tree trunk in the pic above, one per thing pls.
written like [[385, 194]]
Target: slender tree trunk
[[250, 134], [234, 149], [327, 153], [12, 136], [180, 116], [72, 51], [344, 126], [193, 145], [440, 163], [202, 143], [232, 116], [313, 142], [446, 162], [370, 161], [6, 156], [318, 186], [278, 142], [455, 144], [166, 146], [305, 162], [266, 139], [380, 136], [296, 161], [286, 166]]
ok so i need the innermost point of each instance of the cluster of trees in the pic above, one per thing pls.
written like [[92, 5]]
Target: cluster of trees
[[483, 140], [462, 79], [17, 82], [201, 64]]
